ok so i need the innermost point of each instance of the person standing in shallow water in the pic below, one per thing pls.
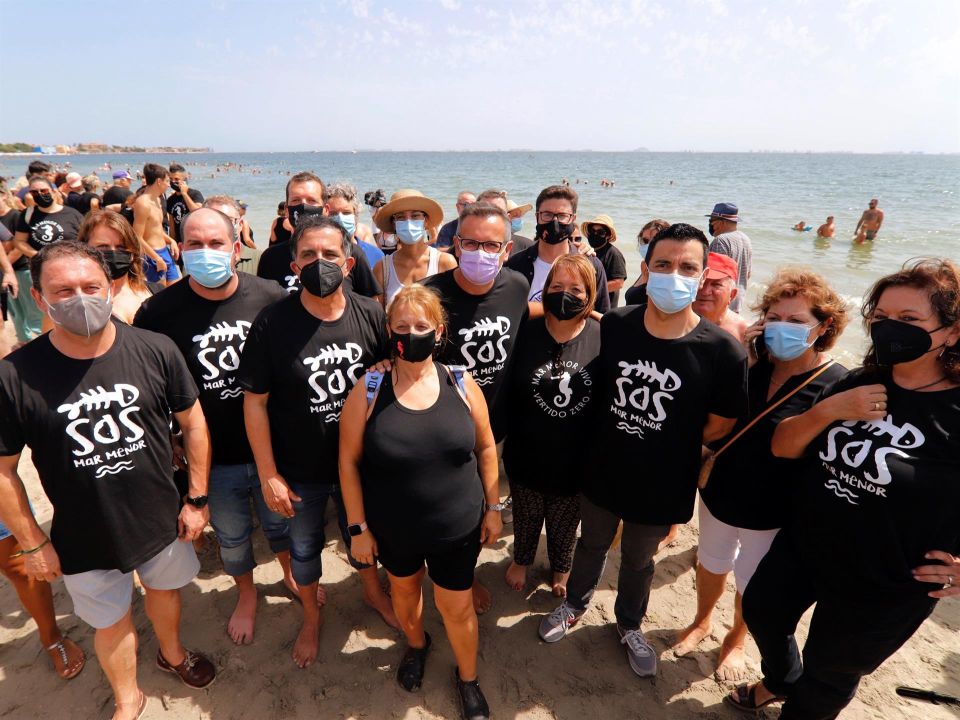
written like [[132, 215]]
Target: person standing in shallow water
[[869, 224]]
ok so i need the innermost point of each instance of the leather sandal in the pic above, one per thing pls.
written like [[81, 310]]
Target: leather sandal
[[744, 697], [412, 666], [61, 658]]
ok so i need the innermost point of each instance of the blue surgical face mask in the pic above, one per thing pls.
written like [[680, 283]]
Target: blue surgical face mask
[[210, 268], [672, 292], [787, 341], [516, 224], [410, 231], [347, 222]]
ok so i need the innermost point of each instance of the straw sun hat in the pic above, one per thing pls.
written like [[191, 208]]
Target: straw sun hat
[[604, 220], [407, 199], [511, 206]]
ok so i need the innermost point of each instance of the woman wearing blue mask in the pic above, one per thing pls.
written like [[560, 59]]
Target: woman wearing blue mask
[[414, 219], [746, 498], [341, 202]]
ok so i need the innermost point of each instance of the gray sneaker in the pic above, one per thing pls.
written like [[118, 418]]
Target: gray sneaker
[[554, 626], [506, 515], [640, 653]]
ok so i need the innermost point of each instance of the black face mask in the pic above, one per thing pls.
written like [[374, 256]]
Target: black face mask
[[175, 186], [321, 277], [43, 199], [896, 342], [554, 232], [710, 228], [413, 347], [563, 305], [597, 240], [295, 212], [119, 262]]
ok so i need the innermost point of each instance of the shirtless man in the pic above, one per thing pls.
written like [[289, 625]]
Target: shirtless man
[[159, 249], [826, 230], [718, 289], [869, 224]]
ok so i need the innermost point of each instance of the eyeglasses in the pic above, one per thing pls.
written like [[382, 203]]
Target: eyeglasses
[[556, 369], [410, 215], [562, 218], [490, 246]]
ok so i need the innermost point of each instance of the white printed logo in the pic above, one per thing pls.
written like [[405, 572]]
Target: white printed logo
[[331, 384], [871, 476], [219, 353], [293, 282], [555, 400], [488, 353], [47, 231], [93, 429], [649, 399]]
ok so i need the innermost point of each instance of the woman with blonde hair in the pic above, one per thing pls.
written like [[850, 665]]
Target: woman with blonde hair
[[422, 506]]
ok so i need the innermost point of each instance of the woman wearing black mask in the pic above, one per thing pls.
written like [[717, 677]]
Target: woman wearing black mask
[[875, 536], [48, 221], [550, 395], [418, 473], [109, 233], [601, 235]]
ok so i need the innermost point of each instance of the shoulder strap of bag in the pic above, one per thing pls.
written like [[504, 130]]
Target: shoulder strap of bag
[[456, 373], [372, 380]]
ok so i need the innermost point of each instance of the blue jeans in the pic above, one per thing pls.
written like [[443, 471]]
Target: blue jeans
[[231, 489], [307, 535]]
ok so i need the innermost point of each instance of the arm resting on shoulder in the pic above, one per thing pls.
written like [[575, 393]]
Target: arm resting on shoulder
[[717, 427]]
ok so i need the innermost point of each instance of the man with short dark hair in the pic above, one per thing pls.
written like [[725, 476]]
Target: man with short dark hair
[[184, 199], [734, 243], [92, 399], [159, 249], [301, 359], [869, 224], [670, 382]]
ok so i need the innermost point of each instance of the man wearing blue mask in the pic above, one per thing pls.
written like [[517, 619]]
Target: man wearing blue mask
[[208, 317], [670, 382], [734, 243]]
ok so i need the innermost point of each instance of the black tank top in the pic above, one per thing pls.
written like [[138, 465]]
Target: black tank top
[[421, 489], [281, 233]]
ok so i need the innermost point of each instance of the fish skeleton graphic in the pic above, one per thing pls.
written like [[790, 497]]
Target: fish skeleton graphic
[[486, 327], [648, 370], [222, 332], [99, 399], [333, 354]]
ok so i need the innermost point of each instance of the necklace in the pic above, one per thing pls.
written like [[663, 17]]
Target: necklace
[[931, 384]]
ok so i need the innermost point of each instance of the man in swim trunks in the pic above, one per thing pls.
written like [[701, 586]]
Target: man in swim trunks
[[826, 230], [159, 249], [869, 224]]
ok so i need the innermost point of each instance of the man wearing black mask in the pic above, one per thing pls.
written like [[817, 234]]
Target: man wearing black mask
[[184, 199], [601, 235], [556, 226], [301, 359]]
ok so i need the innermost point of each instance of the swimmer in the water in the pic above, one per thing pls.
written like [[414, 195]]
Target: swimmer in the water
[[826, 230], [869, 224], [801, 226]]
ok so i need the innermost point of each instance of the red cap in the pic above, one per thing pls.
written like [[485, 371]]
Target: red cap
[[721, 266]]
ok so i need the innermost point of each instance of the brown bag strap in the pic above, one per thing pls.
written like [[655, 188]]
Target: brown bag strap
[[773, 407]]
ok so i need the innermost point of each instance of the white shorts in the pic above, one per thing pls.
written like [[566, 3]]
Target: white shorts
[[724, 547], [102, 597]]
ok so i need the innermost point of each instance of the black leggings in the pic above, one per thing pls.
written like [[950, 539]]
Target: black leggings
[[848, 639], [531, 509]]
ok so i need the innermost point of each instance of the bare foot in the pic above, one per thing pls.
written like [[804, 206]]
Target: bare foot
[[689, 638], [305, 648], [560, 584], [240, 625], [669, 539], [482, 600], [382, 605], [295, 591], [516, 576], [131, 710], [731, 663]]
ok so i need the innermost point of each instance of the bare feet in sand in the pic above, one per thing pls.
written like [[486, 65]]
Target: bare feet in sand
[[689, 638], [669, 539], [516, 577], [383, 605], [482, 600], [559, 587], [240, 625], [305, 648], [295, 591], [731, 663]]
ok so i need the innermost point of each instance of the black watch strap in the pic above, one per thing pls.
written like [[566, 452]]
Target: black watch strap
[[199, 502]]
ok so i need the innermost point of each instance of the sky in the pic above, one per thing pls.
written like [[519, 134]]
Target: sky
[[667, 75]]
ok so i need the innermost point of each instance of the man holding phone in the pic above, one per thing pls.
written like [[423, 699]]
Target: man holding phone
[[184, 199]]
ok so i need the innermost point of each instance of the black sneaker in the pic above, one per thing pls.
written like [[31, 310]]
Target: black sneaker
[[473, 705], [410, 671]]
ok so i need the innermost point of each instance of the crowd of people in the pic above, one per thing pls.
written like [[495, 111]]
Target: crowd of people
[[436, 381]]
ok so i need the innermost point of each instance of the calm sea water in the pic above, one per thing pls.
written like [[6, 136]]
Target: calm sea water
[[920, 195]]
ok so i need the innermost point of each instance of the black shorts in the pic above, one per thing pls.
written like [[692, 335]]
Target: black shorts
[[450, 567]]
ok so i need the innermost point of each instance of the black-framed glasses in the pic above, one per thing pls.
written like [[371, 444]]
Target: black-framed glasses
[[490, 246], [562, 218]]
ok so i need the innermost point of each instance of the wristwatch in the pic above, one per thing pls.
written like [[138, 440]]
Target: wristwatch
[[496, 507], [199, 502], [355, 530]]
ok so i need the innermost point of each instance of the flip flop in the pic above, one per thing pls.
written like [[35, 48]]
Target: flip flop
[[141, 707], [58, 651], [744, 698]]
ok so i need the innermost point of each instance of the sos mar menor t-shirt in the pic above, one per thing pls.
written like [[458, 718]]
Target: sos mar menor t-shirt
[[99, 433]]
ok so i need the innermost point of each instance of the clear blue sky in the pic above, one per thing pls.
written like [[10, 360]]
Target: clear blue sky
[[825, 75]]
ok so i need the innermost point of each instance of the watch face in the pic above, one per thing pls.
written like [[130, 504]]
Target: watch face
[[355, 530]]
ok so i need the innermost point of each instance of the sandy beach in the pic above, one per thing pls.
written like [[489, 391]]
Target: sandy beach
[[584, 676]]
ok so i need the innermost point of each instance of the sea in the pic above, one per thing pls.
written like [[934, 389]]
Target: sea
[[919, 194]]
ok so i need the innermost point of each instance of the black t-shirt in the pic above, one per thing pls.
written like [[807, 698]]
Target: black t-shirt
[[275, 265], [282, 234], [653, 400], [482, 331], [211, 334], [523, 263], [309, 367], [9, 221], [100, 437], [550, 402], [44, 228], [81, 201], [177, 207], [520, 243], [635, 295], [614, 266], [749, 487], [115, 195], [874, 497]]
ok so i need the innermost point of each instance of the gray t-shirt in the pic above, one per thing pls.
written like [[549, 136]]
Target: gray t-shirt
[[736, 245]]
